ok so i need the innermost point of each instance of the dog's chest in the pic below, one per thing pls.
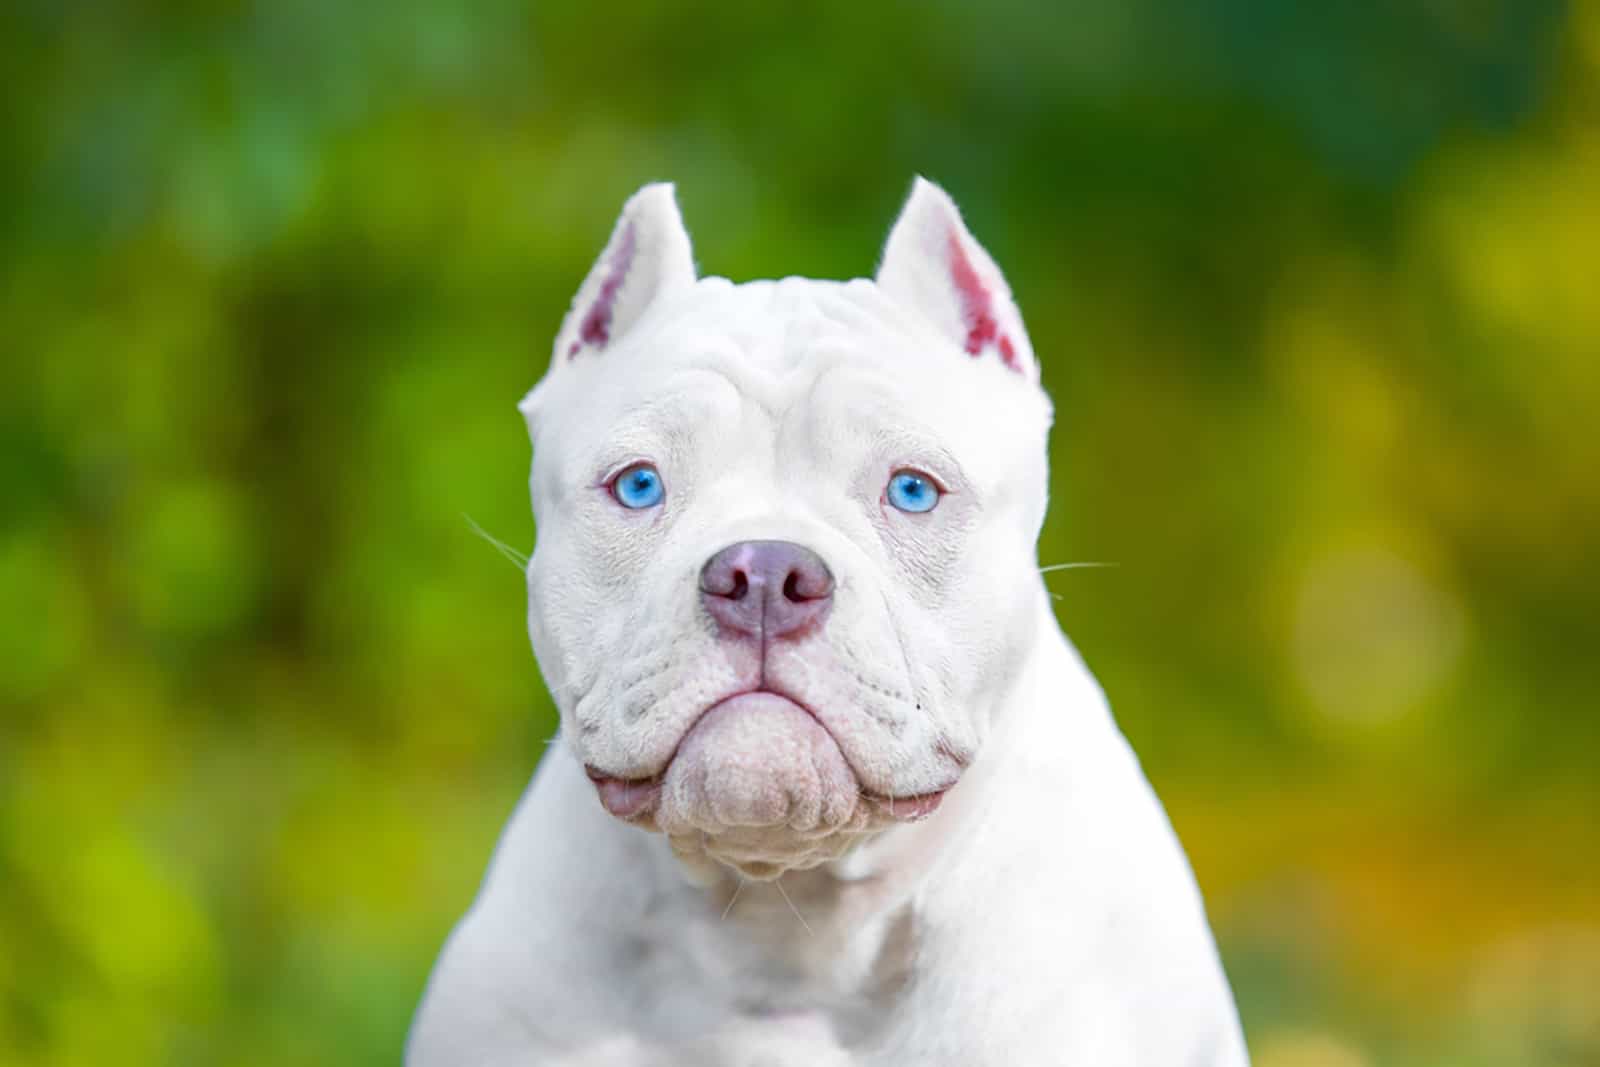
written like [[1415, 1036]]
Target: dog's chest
[[767, 953]]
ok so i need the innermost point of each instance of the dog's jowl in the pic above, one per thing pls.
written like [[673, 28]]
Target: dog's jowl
[[831, 785]]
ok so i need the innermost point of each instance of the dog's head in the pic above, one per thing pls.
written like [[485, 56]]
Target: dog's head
[[785, 559]]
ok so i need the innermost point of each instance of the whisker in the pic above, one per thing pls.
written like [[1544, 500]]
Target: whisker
[[778, 885], [1075, 566], [500, 546], [736, 891]]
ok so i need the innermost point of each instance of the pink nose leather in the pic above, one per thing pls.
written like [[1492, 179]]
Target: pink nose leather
[[766, 589]]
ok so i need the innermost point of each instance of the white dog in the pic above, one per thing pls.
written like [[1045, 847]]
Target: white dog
[[832, 786]]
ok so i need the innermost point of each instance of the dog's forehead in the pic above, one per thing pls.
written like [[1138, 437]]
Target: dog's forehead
[[839, 351], [799, 342], [781, 330]]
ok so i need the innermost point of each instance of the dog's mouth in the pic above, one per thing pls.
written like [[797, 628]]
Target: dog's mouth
[[757, 759]]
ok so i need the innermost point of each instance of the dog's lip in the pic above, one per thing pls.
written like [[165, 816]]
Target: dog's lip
[[630, 798], [908, 809], [598, 776], [636, 798], [626, 798]]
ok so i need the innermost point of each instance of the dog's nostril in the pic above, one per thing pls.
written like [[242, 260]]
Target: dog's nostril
[[741, 586], [798, 589], [802, 586]]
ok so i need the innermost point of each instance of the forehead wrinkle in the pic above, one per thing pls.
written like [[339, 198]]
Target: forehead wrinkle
[[899, 435], [642, 421], [775, 391], [772, 337], [857, 383], [678, 399]]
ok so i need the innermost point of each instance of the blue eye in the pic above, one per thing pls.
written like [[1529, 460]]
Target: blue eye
[[637, 487], [913, 492]]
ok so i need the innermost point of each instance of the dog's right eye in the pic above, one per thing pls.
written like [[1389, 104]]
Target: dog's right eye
[[638, 487]]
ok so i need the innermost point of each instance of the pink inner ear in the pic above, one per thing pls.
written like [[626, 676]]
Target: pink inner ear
[[977, 307], [596, 327]]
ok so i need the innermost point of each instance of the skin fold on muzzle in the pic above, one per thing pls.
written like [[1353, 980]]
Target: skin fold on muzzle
[[735, 775]]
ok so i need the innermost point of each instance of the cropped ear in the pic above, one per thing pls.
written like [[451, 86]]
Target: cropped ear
[[935, 267], [648, 255]]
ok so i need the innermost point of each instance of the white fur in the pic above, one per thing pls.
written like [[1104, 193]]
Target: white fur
[[1044, 914]]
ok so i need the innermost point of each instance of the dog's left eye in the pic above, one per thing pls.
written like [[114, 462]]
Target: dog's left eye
[[912, 491], [638, 487]]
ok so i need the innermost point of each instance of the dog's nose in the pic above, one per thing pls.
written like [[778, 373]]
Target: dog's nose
[[769, 589]]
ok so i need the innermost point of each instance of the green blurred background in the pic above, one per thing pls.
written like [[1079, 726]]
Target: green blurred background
[[1316, 288]]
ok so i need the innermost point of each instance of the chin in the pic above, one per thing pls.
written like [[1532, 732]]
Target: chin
[[759, 785]]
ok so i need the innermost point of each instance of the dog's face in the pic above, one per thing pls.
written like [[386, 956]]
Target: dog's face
[[785, 557]]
